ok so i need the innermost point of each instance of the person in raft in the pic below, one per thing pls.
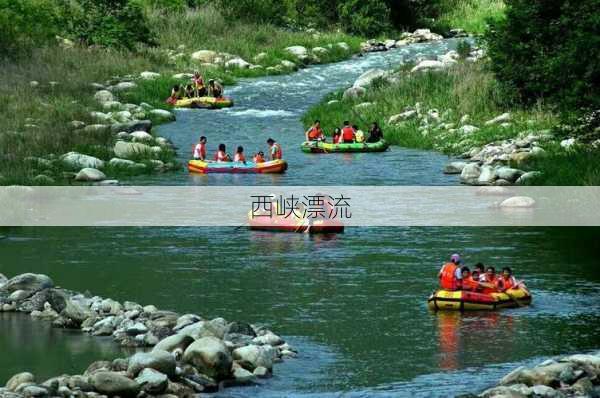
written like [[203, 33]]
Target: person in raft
[[198, 82], [359, 135], [222, 155], [175, 95], [200, 149], [315, 132], [375, 133], [189, 91], [274, 149], [337, 135], [239, 155], [259, 157], [450, 275], [215, 89], [347, 133]]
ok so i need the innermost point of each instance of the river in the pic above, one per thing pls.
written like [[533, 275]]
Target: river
[[352, 304]]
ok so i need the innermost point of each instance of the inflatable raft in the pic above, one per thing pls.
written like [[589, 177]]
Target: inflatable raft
[[294, 224], [204, 102], [327, 147], [205, 167], [460, 300]]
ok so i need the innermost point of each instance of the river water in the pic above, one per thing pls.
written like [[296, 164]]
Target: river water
[[353, 304]]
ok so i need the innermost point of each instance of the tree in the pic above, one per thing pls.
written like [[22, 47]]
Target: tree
[[369, 18]]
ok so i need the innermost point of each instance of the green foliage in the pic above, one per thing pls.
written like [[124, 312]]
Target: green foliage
[[272, 11], [369, 18], [111, 23], [549, 50], [170, 5], [26, 23], [579, 166], [463, 48]]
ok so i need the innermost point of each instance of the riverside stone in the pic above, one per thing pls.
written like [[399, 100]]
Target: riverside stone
[[176, 341], [113, 383], [90, 174], [103, 96], [204, 56], [454, 167], [162, 115], [367, 78], [152, 381], [238, 63], [509, 174], [518, 202], [157, 359], [147, 75], [428, 65], [75, 160], [28, 282], [128, 150], [298, 51], [503, 118], [210, 356], [19, 379], [141, 136], [130, 127], [470, 173], [254, 356]]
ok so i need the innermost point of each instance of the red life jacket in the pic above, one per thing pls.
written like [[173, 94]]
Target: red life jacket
[[258, 159], [200, 151], [220, 156], [348, 133], [239, 157], [336, 139], [448, 276], [470, 284], [315, 133], [509, 283], [278, 153]]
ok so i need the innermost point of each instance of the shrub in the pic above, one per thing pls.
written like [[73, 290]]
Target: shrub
[[369, 18], [25, 24], [272, 11], [463, 48], [549, 50]]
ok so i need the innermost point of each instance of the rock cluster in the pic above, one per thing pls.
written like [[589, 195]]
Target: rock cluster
[[572, 376], [187, 354], [418, 36]]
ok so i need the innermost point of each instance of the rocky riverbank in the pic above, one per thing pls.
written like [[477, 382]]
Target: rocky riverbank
[[180, 355], [570, 376]]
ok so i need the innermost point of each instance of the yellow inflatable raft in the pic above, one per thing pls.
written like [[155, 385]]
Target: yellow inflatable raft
[[461, 300], [204, 102]]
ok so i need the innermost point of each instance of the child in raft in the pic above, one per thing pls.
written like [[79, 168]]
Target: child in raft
[[359, 135], [189, 91], [198, 82], [222, 155], [175, 95], [239, 155], [454, 277], [337, 134], [259, 157]]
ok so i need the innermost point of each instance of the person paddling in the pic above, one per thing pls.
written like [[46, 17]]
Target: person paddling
[[375, 133], [239, 155], [274, 149], [200, 149], [507, 281], [222, 155], [347, 133], [451, 275], [489, 281], [315, 133], [215, 89]]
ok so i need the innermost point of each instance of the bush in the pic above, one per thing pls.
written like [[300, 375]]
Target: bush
[[549, 50], [272, 11], [25, 24], [463, 48], [369, 18], [110, 23]]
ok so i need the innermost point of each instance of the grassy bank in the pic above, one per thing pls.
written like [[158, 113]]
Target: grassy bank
[[466, 94], [36, 120], [470, 15]]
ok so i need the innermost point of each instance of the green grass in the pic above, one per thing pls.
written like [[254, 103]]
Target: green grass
[[52, 108], [580, 166], [466, 89], [470, 15]]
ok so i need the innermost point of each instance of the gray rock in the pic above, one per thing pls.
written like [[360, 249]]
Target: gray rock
[[367, 78], [210, 356], [123, 86], [526, 178], [127, 150], [28, 282], [261, 372], [19, 295], [253, 356], [76, 161], [130, 127], [157, 359], [503, 392], [503, 118], [518, 202], [112, 384], [268, 338], [487, 175], [299, 52], [176, 341], [428, 65], [406, 115], [18, 379], [354, 92], [204, 56], [152, 381], [470, 173], [454, 167], [34, 391], [162, 115], [241, 328], [468, 129], [242, 376], [136, 328], [237, 63], [149, 75], [545, 392], [104, 327], [90, 174], [509, 174], [141, 136], [103, 96], [75, 312]]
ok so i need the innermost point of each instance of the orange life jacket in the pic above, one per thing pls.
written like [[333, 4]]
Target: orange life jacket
[[276, 152], [220, 156], [259, 159], [315, 133], [448, 276], [347, 133], [507, 283], [470, 284], [239, 157]]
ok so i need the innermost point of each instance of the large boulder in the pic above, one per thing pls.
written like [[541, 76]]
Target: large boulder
[[200, 329], [128, 150], [103, 96], [406, 115], [509, 174], [204, 56], [176, 341], [130, 127], [503, 118], [369, 76], [299, 52], [152, 381], [123, 86], [354, 92], [75, 161], [90, 174], [428, 65], [19, 379], [253, 356], [75, 312], [149, 75], [421, 35], [551, 374], [487, 175], [28, 282], [237, 63], [114, 384], [454, 167], [142, 136], [210, 356], [470, 174], [159, 360], [162, 115], [518, 202]]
